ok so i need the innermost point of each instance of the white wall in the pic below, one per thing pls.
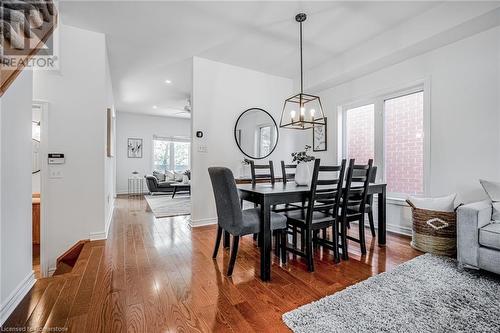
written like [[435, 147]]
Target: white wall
[[74, 206], [16, 274], [465, 114], [221, 93], [130, 125], [109, 162]]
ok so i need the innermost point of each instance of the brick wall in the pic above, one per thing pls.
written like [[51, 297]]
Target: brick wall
[[404, 144], [360, 133]]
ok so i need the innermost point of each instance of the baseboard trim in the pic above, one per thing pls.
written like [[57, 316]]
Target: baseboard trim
[[397, 229], [51, 270], [109, 218], [93, 236], [202, 222], [16, 296]]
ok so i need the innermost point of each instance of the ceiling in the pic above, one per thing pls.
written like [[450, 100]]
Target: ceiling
[[151, 42]]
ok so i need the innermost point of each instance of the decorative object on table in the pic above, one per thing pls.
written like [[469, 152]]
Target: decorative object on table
[[245, 168], [135, 186], [320, 137], [186, 178], [434, 225], [256, 133], [188, 174], [302, 111], [303, 172], [134, 148], [110, 131], [426, 294]]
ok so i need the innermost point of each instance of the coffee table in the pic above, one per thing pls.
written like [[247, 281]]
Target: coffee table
[[181, 187]]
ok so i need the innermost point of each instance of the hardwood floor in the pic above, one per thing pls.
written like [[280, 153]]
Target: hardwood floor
[[157, 275]]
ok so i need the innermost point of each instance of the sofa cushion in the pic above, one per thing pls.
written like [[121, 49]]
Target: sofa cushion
[[493, 191], [489, 235], [165, 184], [159, 175], [169, 175]]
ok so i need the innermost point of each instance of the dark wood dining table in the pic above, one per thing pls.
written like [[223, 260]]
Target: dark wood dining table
[[268, 195]]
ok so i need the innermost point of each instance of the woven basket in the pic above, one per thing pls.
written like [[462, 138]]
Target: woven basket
[[433, 231]]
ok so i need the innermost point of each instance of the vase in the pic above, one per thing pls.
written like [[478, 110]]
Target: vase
[[303, 173]]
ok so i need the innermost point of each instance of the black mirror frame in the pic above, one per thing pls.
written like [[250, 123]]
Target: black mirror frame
[[275, 125]]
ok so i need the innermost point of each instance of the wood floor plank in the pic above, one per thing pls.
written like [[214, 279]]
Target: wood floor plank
[[157, 275]]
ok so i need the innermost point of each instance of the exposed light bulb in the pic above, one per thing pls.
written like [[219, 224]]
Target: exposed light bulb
[[292, 114], [312, 113], [302, 111]]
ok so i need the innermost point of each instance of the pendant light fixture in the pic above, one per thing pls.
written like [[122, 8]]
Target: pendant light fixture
[[302, 111]]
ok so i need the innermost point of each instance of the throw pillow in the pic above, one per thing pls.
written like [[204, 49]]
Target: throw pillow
[[178, 176], [493, 191], [441, 204], [159, 175], [170, 176]]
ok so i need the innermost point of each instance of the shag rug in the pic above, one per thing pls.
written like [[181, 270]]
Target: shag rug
[[426, 294], [165, 206]]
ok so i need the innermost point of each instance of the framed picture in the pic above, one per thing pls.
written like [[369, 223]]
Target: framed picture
[[319, 137], [134, 148]]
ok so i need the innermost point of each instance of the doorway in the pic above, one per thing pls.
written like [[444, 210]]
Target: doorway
[[39, 144]]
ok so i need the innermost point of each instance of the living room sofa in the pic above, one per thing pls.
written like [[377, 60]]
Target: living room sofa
[[155, 186], [478, 237]]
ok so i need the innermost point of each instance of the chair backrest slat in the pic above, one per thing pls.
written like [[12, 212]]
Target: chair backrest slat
[[325, 194], [356, 195], [255, 175], [286, 176]]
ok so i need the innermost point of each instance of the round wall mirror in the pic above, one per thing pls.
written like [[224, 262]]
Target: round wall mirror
[[256, 133]]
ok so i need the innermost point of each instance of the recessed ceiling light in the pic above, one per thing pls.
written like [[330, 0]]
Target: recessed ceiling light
[[155, 107], [168, 81]]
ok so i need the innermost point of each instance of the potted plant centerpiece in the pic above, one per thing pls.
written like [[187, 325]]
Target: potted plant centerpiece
[[303, 173]]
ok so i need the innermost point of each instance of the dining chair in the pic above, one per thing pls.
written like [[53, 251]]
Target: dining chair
[[354, 202], [232, 219], [322, 211], [369, 200], [286, 177], [269, 175]]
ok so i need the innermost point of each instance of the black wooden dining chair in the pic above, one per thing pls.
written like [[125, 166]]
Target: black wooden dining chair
[[267, 175], [322, 211], [369, 200], [232, 219], [285, 175], [354, 200]]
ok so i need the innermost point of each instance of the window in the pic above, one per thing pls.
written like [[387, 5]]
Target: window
[[171, 155], [404, 143], [360, 133], [389, 129], [264, 140]]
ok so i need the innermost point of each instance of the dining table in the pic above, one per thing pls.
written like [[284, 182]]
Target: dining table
[[267, 195]]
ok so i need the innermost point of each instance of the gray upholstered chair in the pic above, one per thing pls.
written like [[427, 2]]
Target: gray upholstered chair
[[231, 218], [478, 238]]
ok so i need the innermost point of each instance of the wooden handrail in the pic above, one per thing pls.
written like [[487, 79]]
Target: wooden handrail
[[9, 70]]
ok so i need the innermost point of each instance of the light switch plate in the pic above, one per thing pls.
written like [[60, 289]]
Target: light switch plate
[[202, 149], [55, 172]]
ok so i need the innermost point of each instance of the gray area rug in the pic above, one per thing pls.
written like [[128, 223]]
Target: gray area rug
[[426, 294], [165, 206]]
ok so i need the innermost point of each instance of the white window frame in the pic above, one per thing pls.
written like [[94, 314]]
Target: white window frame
[[172, 155], [378, 99]]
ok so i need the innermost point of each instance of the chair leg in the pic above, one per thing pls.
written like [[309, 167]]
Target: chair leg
[[336, 256], [302, 239], [362, 235], [234, 253], [276, 243], [217, 242], [294, 236], [372, 225], [309, 250], [283, 243], [227, 240], [344, 240], [255, 237]]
